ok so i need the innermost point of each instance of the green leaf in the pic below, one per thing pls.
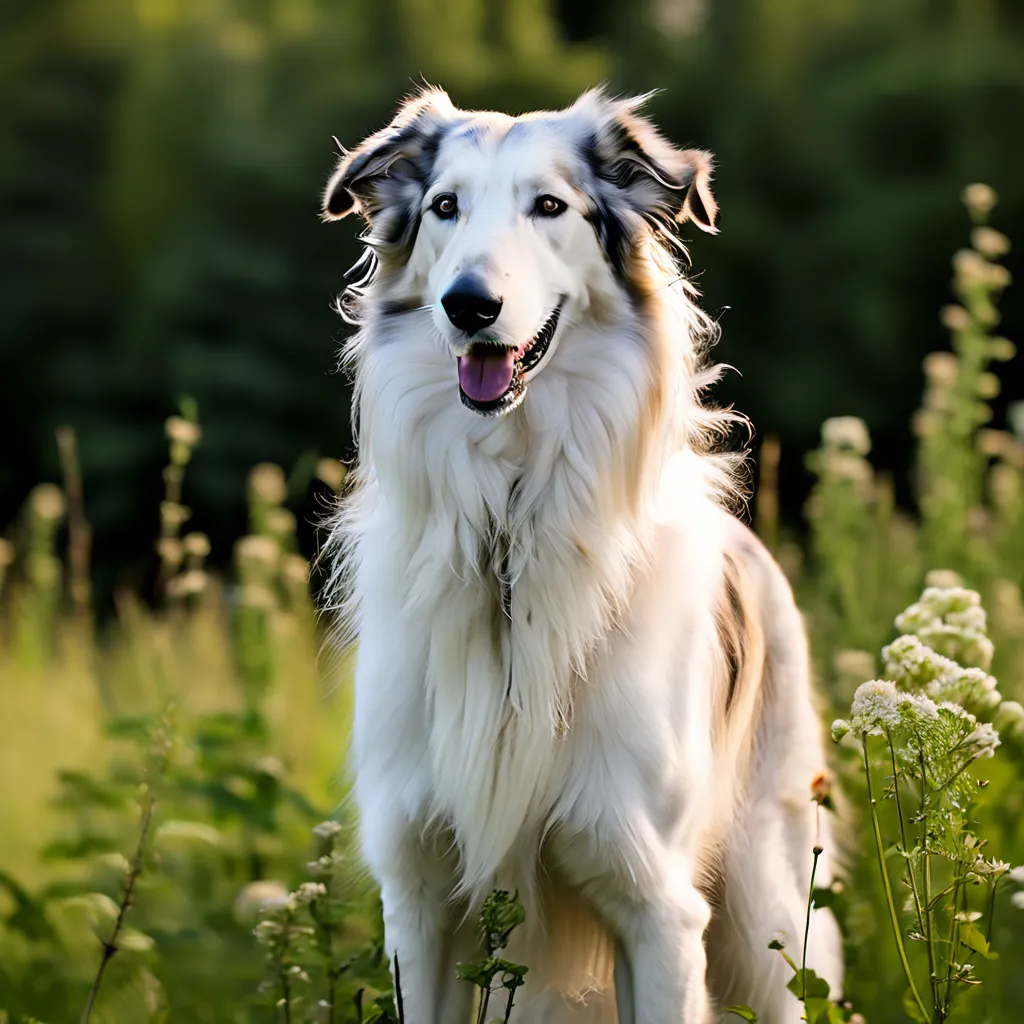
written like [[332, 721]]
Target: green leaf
[[806, 982], [911, 1009], [817, 1009], [743, 1011], [970, 936], [835, 1014], [79, 789], [29, 916], [825, 898]]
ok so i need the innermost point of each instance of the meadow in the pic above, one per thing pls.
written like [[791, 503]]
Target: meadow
[[175, 844]]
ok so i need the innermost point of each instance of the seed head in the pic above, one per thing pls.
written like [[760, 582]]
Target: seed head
[[182, 431], [267, 483], [821, 787], [989, 242], [197, 545], [941, 369], [979, 199], [847, 432], [332, 472], [47, 502], [955, 318]]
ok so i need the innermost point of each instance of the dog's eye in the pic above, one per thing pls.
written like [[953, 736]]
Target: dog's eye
[[549, 206], [445, 206]]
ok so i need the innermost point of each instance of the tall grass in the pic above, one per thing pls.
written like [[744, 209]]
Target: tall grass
[[173, 781]]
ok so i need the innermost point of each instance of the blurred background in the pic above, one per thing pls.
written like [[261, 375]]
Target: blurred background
[[161, 163], [174, 420]]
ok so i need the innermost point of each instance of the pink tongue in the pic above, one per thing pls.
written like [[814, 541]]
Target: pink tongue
[[486, 376]]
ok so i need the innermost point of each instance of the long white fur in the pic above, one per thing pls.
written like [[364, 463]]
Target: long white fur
[[568, 751]]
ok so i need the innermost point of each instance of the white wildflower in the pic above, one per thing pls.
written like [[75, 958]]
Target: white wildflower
[[332, 472], [309, 892], [197, 545], [47, 502], [182, 431], [1009, 718], [979, 198], [257, 897], [846, 432], [1017, 899], [876, 705], [1016, 875], [924, 706], [267, 931], [327, 829], [941, 369], [267, 483], [257, 549], [985, 739]]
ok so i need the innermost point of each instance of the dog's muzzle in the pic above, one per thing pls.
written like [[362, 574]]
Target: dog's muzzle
[[492, 378]]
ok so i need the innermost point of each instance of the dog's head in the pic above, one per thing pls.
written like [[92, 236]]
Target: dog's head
[[509, 229]]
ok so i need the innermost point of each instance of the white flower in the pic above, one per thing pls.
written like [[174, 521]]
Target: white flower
[[979, 198], [1010, 719], [327, 829], [846, 432], [1017, 899], [308, 892], [256, 897], [958, 712], [985, 738], [1016, 875], [923, 705], [876, 704]]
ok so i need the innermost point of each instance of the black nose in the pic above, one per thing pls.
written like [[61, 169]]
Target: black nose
[[469, 305]]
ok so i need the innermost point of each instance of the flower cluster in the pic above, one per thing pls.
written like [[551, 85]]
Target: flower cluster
[[936, 713], [951, 621]]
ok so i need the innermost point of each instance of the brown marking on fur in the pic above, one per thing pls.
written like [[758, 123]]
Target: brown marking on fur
[[741, 681], [742, 660]]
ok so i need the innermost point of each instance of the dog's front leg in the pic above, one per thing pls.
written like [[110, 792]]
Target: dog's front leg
[[662, 938], [659, 919], [415, 883], [410, 861]]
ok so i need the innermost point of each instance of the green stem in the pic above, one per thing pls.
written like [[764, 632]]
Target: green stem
[[807, 924], [954, 941], [485, 998], [992, 907], [903, 834], [891, 906], [509, 1004], [929, 930]]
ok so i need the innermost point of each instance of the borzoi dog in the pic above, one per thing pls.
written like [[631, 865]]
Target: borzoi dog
[[578, 676]]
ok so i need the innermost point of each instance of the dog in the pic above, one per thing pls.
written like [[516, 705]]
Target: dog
[[579, 676]]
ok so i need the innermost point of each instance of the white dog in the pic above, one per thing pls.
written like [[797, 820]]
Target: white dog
[[578, 676]]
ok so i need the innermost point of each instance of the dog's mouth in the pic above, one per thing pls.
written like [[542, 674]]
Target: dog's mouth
[[492, 378]]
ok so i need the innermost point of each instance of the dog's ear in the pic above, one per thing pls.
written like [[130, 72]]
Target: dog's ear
[[653, 176], [393, 158]]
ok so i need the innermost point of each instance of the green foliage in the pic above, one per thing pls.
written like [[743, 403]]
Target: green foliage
[[500, 915], [209, 710], [930, 748]]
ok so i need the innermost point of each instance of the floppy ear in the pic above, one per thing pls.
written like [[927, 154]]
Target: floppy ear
[[652, 176], [391, 163]]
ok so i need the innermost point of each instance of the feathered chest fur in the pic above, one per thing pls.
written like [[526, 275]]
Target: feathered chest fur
[[517, 542]]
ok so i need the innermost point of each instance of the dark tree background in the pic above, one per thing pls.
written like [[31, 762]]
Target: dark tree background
[[161, 162]]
